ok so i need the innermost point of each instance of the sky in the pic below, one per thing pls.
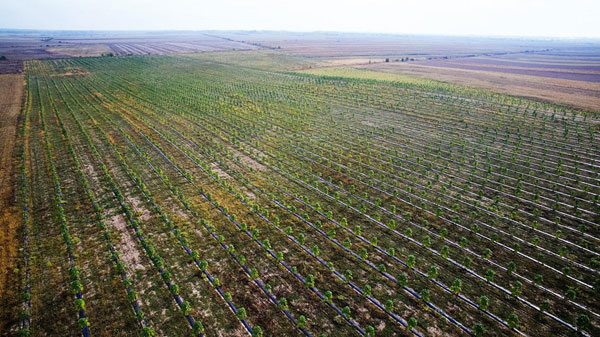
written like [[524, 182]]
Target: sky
[[530, 18]]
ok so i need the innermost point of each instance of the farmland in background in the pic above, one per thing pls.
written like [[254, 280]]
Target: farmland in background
[[565, 72], [569, 77]]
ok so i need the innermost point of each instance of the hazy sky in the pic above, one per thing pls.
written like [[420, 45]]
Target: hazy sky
[[563, 18]]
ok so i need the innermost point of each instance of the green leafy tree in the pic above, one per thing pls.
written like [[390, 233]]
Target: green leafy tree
[[367, 291], [463, 242], [316, 250], [511, 268], [389, 305], [363, 254], [148, 332], [571, 294], [346, 312], [241, 313], [478, 330], [433, 272], [301, 322], [391, 251], [348, 275], [445, 251], [411, 323], [513, 321], [80, 304], [328, 296], [198, 328], [456, 286], [402, 279], [583, 322], [283, 303], [83, 322], [467, 262], [516, 288], [411, 261], [186, 308], [310, 281], [426, 241], [443, 233]]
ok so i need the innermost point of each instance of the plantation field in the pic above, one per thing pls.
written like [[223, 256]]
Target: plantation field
[[217, 195], [365, 74]]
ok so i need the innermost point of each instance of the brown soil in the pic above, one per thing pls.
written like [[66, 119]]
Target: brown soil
[[11, 94], [222, 174], [249, 162]]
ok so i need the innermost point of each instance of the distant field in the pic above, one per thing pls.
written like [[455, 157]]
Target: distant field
[[578, 94], [11, 67], [259, 59], [570, 67], [81, 50], [380, 46], [570, 77], [559, 71], [23, 45], [174, 45], [367, 74]]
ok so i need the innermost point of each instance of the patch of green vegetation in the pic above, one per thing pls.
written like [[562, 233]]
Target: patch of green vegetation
[[350, 72], [258, 59]]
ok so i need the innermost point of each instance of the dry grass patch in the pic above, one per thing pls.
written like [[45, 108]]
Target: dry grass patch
[[11, 94], [81, 50]]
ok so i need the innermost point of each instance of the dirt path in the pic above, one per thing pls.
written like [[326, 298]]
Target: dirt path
[[11, 93]]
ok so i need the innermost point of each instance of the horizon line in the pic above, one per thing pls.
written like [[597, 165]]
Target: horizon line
[[498, 36]]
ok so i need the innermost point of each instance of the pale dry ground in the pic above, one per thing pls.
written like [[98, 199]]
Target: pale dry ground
[[577, 94], [350, 61], [83, 50], [11, 93], [521, 66]]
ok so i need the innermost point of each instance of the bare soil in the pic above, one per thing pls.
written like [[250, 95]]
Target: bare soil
[[567, 74], [127, 245]]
